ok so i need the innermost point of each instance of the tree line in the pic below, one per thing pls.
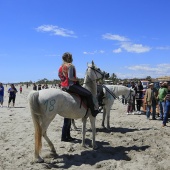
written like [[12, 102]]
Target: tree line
[[113, 78]]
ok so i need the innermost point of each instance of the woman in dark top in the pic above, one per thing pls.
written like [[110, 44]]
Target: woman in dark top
[[139, 96], [12, 94]]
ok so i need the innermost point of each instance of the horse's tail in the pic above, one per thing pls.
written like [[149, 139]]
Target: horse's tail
[[35, 111]]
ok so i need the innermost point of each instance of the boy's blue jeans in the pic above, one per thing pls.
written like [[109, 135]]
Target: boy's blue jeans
[[148, 111]]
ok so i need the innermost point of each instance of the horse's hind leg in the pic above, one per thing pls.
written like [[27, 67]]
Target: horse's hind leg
[[73, 123], [49, 143], [44, 134]]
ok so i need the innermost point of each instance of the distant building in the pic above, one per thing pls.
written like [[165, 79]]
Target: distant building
[[164, 78]]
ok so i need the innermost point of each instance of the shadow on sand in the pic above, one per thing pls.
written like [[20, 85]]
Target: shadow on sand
[[94, 156]]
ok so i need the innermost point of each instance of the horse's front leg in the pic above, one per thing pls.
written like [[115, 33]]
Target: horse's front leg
[[104, 116], [84, 120], [108, 118], [93, 126]]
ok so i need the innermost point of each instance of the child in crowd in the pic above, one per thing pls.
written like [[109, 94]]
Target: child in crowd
[[20, 89], [129, 106]]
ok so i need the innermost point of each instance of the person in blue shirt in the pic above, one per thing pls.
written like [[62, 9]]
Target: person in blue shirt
[[12, 94], [1, 94]]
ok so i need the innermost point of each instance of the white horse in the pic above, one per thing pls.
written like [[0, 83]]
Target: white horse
[[45, 104], [110, 93]]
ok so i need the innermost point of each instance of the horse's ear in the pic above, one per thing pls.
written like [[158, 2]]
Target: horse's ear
[[92, 63]]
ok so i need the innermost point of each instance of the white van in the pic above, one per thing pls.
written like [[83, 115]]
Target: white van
[[145, 84]]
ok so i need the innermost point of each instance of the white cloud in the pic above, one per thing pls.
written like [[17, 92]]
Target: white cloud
[[126, 44], [114, 37], [134, 48], [89, 53], [101, 51], [94, 52], [55, 30], [118, 50], [163, 48], [142, 71]]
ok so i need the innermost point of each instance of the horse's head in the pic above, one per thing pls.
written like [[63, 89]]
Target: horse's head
[[95, 73]]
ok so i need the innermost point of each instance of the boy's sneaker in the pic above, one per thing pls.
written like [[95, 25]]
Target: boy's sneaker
[[139, 112]]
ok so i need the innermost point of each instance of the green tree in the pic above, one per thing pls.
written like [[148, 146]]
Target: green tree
[[149, 78], [114, 78]]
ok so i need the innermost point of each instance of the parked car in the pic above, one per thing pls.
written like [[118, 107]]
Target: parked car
[[156, 85]]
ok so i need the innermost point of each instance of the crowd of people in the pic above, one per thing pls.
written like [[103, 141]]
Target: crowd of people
[[135, 103], [155, 101]]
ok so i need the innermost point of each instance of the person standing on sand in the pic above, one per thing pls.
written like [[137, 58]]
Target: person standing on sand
[[161, 95], [129, 105], [139, 96], [167, 107], [12, 94], [34, 87], [20, 89], [151, 101], [1, 94], [124, 101], [39, 86], [133, 100]]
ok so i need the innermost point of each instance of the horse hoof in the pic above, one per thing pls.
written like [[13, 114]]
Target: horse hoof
[[39, 160], [53, 152]]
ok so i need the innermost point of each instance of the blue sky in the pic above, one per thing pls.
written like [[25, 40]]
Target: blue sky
[[130, 38]]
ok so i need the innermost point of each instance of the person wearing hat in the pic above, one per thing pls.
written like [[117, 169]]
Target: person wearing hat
[[151, 101], [161, 96]]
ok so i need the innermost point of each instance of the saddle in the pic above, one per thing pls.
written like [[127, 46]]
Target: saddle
[[83, 101]]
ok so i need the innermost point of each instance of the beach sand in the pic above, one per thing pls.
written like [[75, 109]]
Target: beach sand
[[132, 143]]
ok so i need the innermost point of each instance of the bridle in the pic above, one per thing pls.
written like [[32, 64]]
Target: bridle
[[95, 71], [98, 71]]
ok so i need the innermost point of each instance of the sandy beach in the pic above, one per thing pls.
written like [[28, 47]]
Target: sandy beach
[[132, 143]]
